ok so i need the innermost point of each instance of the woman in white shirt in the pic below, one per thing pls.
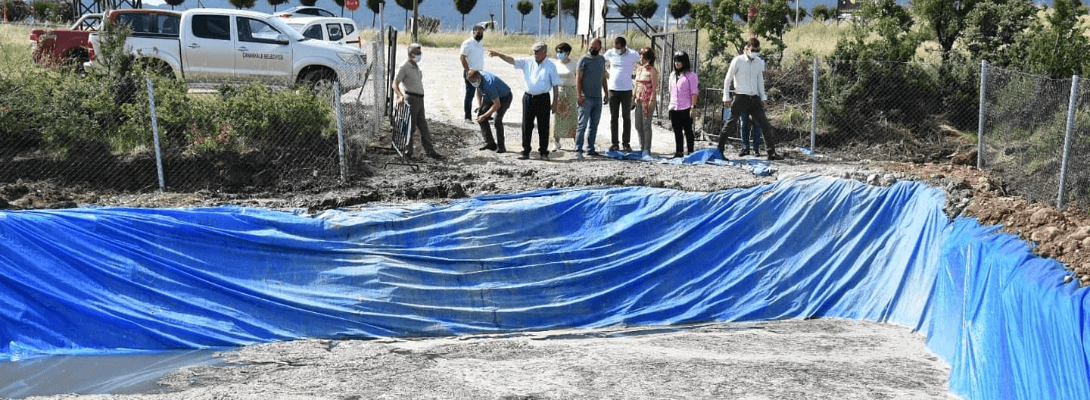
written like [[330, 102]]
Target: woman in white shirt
[[565, 116]]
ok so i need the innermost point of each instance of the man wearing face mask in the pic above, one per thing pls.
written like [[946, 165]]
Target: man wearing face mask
[[495, 100], [541, 78], [410, 77], [472, 57], [746, 73], [621, 62], [590, 86]]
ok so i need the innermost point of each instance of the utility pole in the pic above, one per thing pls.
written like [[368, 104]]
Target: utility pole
[[416, 22]]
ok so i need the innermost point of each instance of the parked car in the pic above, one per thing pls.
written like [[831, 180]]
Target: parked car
[[225, 44], [50, 47], [303, 11], [340, 30]]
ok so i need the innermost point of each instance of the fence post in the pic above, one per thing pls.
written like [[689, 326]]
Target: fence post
[[155, 135], [1067, 139], [340, 130], [813, 109], [980, 115]]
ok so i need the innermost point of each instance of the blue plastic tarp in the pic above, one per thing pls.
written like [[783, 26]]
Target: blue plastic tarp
[[107, 280]]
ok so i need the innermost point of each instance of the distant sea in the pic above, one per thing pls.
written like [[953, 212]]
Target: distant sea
[[451, 19]]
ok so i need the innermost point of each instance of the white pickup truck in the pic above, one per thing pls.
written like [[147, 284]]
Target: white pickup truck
[[212, 45]]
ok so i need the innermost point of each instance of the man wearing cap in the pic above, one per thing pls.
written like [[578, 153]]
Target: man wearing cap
[[541, 77], [410, 78]]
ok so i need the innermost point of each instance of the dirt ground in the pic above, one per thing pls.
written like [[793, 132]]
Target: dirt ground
[[814, 359]]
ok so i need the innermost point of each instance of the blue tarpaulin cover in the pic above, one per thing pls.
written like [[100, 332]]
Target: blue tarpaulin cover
[[101, 280]]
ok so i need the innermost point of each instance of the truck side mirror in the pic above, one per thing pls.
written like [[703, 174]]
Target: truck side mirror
[[280, 38]]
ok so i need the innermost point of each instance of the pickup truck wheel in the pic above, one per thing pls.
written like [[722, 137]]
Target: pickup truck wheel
[[320, 79], [158, 68]]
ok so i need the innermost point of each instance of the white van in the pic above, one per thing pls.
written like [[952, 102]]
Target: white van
[[330, 29]]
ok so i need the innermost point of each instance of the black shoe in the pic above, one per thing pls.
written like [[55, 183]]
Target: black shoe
[[592, 153], [524, 156], [545, 156], [436, 156], [757, 153], [628, 148], [678, 155], [488, 147], [501, 150], [773, 156], [743, 153], [613, 148]]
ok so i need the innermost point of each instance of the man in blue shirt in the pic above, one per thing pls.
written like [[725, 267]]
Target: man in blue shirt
[[495, 100], [537, 105]]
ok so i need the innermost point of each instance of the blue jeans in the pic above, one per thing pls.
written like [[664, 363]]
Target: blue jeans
[[590, 113], [745, 123], [470, 92]]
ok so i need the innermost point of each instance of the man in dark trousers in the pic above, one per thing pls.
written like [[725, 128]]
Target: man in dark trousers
[[537, 105], [747, 74], [495, 100]]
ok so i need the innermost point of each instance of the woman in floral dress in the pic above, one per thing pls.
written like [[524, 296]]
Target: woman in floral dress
[[646, 87], [567, 111]]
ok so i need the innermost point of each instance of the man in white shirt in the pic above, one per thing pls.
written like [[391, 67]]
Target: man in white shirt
[[541, 77], [621, 62], [472, 56], [746, 73]]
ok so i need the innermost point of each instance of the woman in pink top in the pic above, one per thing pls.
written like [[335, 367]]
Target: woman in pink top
[[684, 89], [646, 86]]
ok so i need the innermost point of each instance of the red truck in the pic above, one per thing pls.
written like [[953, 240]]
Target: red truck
[[54, 47]]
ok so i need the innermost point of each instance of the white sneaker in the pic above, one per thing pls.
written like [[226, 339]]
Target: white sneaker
[[557, 142]]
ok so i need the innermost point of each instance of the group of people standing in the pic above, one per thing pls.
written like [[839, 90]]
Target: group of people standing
[[564, 98]]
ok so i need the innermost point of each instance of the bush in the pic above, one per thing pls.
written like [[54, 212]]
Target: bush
[[17, 10]]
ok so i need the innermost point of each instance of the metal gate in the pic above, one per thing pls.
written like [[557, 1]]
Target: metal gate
[[665, 45]]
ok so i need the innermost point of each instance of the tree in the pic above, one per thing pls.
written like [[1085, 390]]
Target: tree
[[341, 4], [992, 28], [772, 20], [174, 3], [821, 13], [464, 7], [548, 10], [893, 24], [569, 8], [524, 7], [945, 18], [308, 3], [1056, 44], [373, 6], [627, 10], [724, 36], [408, 6], [647, 8], [241, 4], [679, 8]]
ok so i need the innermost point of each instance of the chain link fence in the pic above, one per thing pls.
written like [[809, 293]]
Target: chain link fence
[[864, 109], [135, 131], [100, 130], [1034, 133]]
